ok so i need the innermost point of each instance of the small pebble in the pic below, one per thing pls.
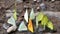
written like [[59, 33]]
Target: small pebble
[[48, 33], [34, 0], [19, 1], [38, 8], [40, 29], [5, 26], [9, 13], [12, 28], [39, 1], [52, 0], [43, 7], [25, 6]]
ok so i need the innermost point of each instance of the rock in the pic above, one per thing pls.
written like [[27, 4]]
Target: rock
[[5, 26], [48, 33], [39, 1], [50, 14], [40, 29], [43, 6], [38, 8], [12, 28], [19, 1], [1, 20], [34, 0], [9, 13], [25, 6], [52, 1]]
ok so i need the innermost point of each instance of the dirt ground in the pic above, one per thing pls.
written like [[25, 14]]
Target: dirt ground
[[9, 5]]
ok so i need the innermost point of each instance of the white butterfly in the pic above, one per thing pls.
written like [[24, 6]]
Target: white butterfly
[[11, 21], [32, 16], [22, 27], [26, 16]]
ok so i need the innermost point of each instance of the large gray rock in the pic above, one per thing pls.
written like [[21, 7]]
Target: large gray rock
[[50, 13]]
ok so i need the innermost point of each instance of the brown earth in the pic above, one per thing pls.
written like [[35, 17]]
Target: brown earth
[[9, 4]]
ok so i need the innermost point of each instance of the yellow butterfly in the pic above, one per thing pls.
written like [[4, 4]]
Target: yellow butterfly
[[39, 17], [50, 25], [15, 15], [30, 26]]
